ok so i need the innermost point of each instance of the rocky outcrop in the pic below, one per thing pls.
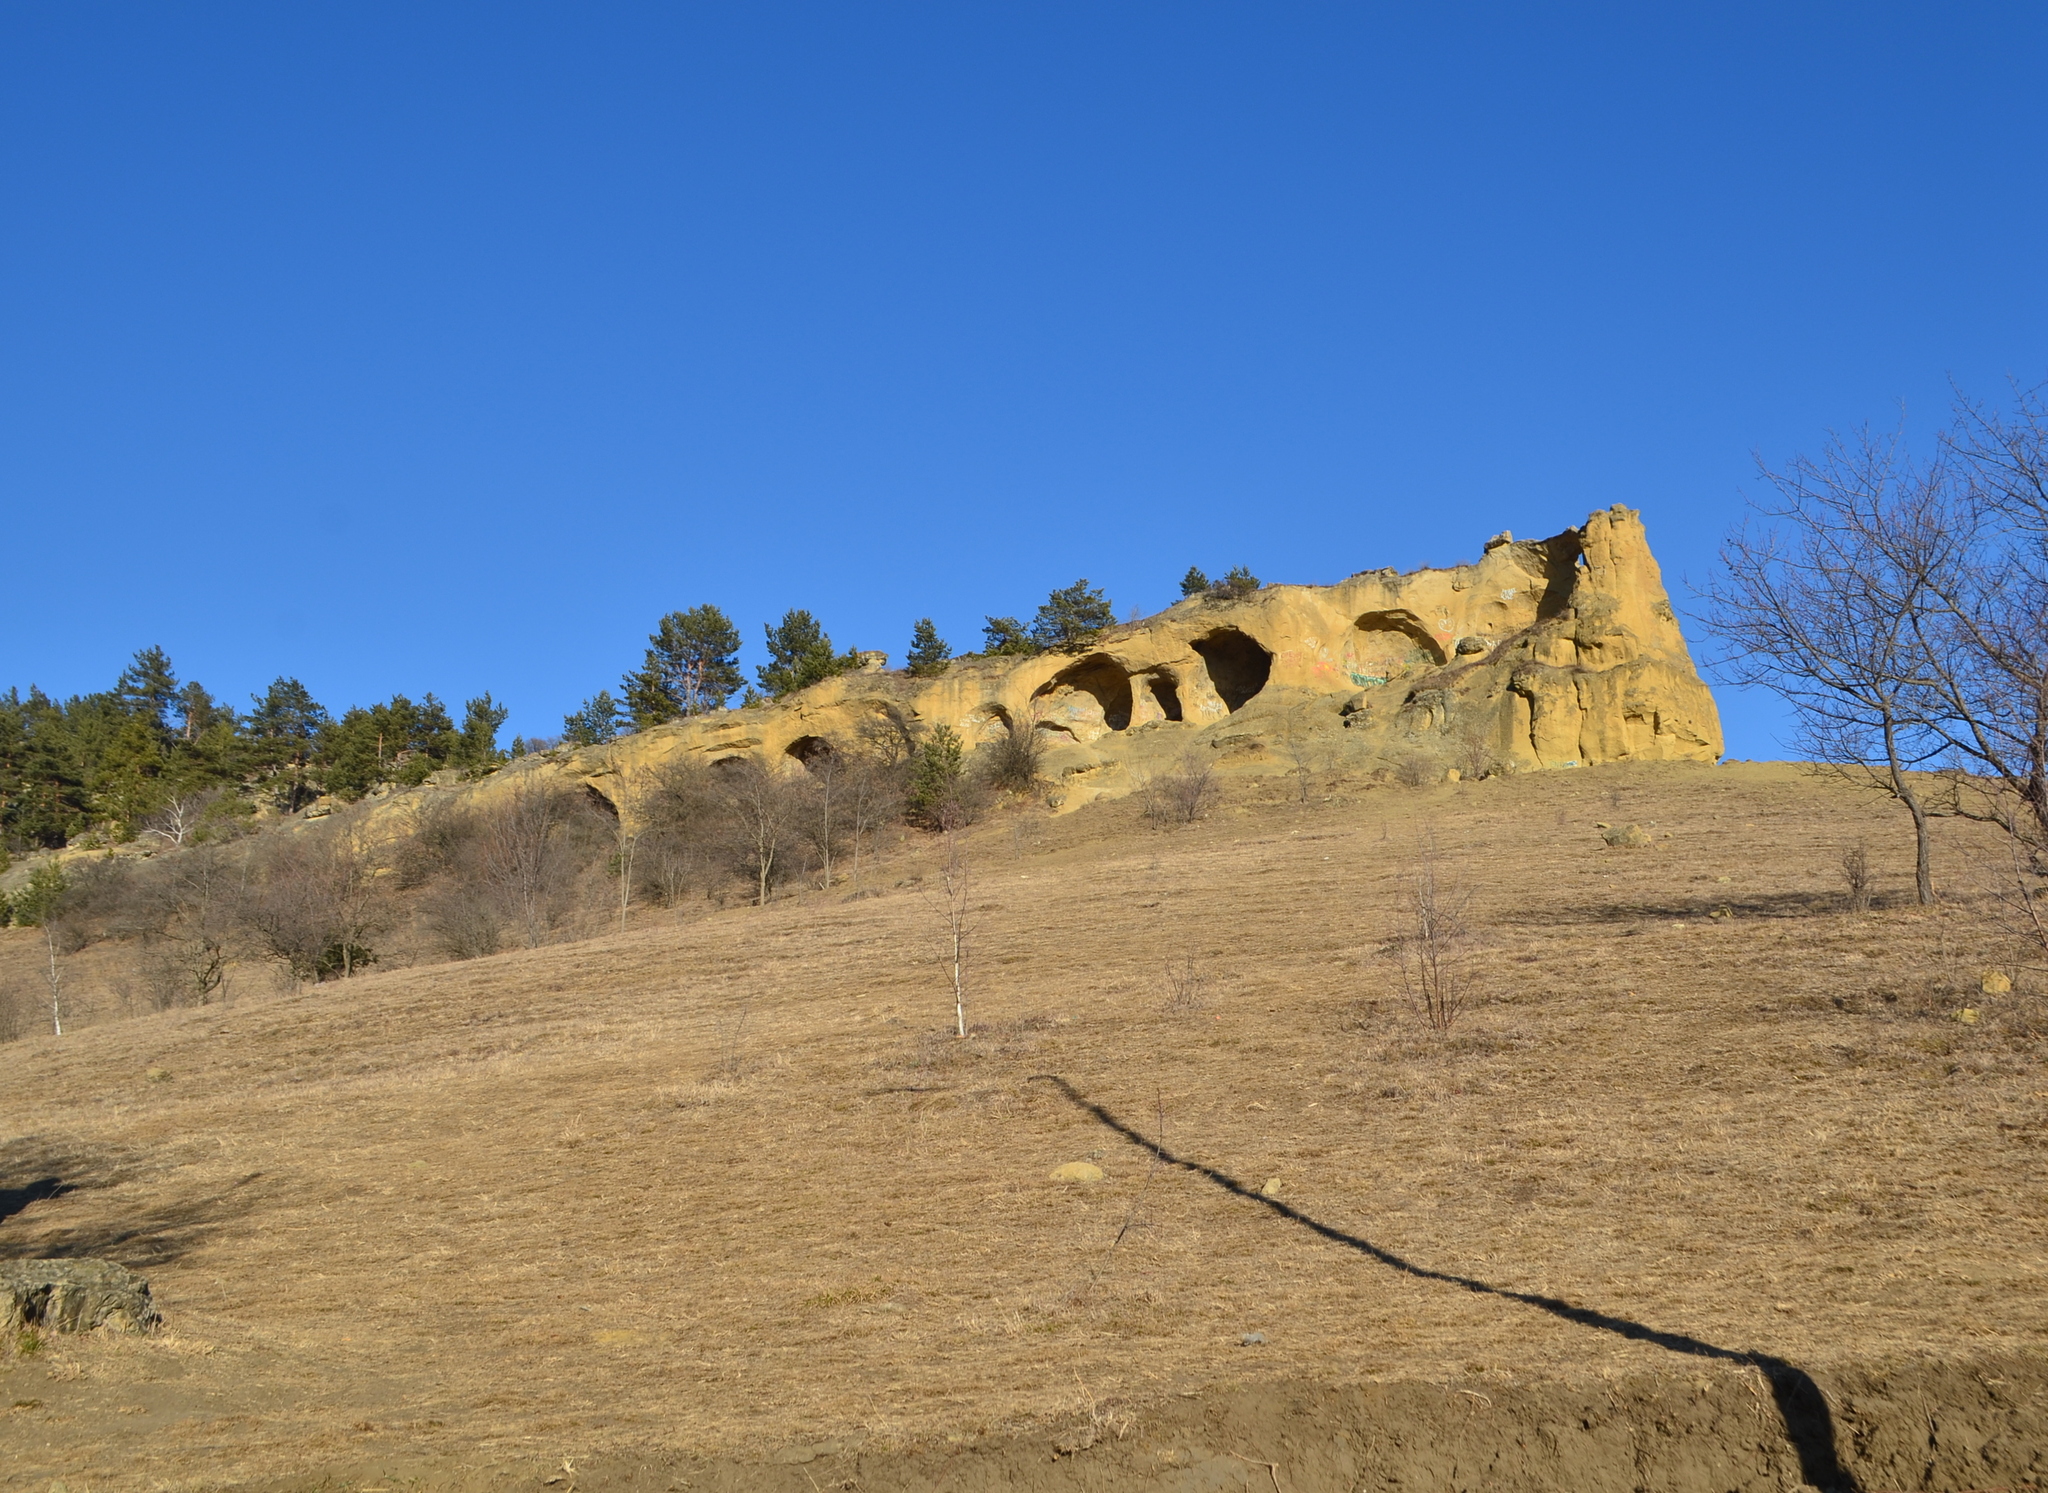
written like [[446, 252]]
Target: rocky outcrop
[[73, 1296], [1552, 653]]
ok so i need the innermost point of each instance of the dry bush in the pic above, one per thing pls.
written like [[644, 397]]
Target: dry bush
[[1186, 983], [1012, 762], [1182, 795], [1433, 949], [190, 908], [1856, 876], [314, 902], [532, 848]]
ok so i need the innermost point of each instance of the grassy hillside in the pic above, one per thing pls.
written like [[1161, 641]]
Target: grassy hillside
[[725, 1188]]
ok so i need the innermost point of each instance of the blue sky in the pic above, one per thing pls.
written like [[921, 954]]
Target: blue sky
[[446, 347]]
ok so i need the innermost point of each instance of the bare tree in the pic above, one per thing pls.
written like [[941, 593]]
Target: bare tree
[[192, 905], [533, 842], [825, 824], [948, 900], [625, 836], [762, 815], [316, 902], [1433, 948], [1829, 603]]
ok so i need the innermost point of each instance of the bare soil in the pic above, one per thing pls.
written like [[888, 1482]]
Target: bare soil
[[1713, 1185]]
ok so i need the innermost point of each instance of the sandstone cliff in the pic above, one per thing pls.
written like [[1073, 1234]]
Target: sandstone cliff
[[1552, 653]]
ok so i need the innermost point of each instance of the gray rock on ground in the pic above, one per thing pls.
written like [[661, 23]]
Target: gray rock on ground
[[74, 1296]]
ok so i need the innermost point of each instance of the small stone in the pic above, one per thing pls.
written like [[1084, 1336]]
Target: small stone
[[1076, 1171], [1967, 1016], [1629, 837], [1452, 775], [1271, 1189], [1996, 982], [1252, 1339], [158, 1075]]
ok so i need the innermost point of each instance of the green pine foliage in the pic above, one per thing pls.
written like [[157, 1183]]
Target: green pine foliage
[[800, 654], [1006, 637], [692, 666], [937, 771], [1194, 583], [1240, 582], [1072, 617], [597, 721], [929, 653]]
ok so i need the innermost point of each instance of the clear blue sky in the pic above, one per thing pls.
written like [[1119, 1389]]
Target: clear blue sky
[[444, 348]]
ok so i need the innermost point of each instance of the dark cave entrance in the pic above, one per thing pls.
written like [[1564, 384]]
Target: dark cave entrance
[[1238, 666]]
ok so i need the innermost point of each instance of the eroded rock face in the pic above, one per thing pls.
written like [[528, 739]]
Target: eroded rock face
[[1553, 653], [73, 1296]]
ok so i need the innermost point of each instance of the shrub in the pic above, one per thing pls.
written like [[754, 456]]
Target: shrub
[[1010, 763], [1180, 796]]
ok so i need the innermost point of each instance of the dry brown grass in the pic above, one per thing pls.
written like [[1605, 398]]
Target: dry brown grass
[[565, 1199]]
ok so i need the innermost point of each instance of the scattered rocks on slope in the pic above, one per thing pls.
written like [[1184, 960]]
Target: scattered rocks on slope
[[74, 1296]]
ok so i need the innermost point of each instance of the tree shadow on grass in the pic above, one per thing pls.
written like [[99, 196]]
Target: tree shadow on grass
[[1809, 1424], [38, 1170]]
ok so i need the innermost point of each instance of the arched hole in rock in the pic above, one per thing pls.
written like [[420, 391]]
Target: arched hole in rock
[[1238, 666], [1386, 645], [599, 802], [989, 722], [1099, 676], [1166, 693], [812, 751]]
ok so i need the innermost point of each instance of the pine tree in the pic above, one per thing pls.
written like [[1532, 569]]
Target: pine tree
[[1194, 583], [936, 772], [692, 666], [1072, 617], [149, 686], [800, 654], [596, 722], [928, 651], [1240, 582], [476, 746], [1006, 636]]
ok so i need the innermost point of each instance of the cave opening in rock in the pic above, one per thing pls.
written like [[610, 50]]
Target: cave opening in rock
[[1166, 694], [1238, 666], [812, 751], [1101, 677]]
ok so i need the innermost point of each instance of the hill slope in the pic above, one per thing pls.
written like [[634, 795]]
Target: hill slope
[[719, 1190]]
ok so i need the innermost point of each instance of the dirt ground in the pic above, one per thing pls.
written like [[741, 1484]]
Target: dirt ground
[[1714, 1184]]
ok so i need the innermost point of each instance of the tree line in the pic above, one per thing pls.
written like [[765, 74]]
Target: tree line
[[533, 863], [154, 755]]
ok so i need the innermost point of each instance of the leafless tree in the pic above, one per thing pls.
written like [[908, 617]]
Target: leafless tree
[[626, 826], [532, 844], [762, 814], [948, 899], [175, 822], [191, 906], [825, 825], [873, 798], [1433, 949], [315, 901], [1988, 633], [1856, 876], [1830, 602]]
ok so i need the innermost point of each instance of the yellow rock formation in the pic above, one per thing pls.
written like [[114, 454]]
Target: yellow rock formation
[[1553, 653]]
